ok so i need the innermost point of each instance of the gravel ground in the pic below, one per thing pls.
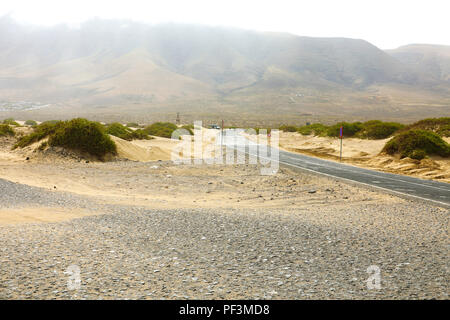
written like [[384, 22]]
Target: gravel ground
[[137, 253], [14, 195]]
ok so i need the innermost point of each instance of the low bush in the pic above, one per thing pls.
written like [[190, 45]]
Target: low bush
[[376, 129], [133, 125], [85, 136], [11, 122], [140, 134], [6, 130], [317, 129], [417, 144], [288, 128], [31, 123], [189, 128], [40, 132], [444, 131], [161, 129], [441, 126], [122, 132], [349, 129], [118, 130], [77, 134]]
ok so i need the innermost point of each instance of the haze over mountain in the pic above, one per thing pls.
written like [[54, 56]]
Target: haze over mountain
[[122, 67], [429, 60]]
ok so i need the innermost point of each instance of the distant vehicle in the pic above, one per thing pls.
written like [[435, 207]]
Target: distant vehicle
[[214, 126]]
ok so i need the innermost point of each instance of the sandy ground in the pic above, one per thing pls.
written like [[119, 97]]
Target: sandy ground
[[153, 181], [366, 153], [166, 185], [153, 229], [143, 175], [36, 215], [145, 150]]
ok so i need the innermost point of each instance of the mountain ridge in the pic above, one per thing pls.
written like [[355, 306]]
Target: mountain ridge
[[121, 63]]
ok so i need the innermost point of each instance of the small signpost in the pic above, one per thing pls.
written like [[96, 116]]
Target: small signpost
[[341, 136]]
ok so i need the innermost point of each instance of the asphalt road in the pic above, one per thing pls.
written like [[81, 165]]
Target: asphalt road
[[428, 190]]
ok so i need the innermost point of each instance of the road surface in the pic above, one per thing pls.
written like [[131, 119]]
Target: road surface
[[428, 190]]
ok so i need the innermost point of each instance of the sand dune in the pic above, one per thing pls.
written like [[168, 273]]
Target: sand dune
[[144, 152]]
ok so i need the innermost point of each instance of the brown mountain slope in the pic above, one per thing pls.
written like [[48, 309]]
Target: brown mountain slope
[[128, 67], [431, 60]]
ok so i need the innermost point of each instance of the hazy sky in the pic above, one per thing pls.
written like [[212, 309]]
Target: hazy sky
[[385, 23]]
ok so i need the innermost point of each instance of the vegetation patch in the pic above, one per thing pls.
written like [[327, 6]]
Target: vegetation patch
[[6, 130], [76, 134], [85, 136], [31, 123], [41, 131], [189, 128], [349, 129], [316, 129], [133, 125], [286, 128], [417, 144], [11, 122], [125, 133], [376, 129], [441, 126], [161, 129]]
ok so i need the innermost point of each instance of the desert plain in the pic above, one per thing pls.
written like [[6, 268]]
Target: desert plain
[[143, 227]]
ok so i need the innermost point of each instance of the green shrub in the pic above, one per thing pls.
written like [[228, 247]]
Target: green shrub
[[40, 132], [317, 129], [161, 129], [441, 126], [287, 128], [83, 135], [140, 134], [418, 154], [51, 122], [11, 122], [78, 134], [444, 131], [118, 130], [349, 129], [122, 132], [376, 129], [6, 130], [417, 144], [189, 128], [133, 125], [31, 123]]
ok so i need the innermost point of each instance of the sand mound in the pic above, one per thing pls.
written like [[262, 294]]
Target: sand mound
[[130, 150]]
